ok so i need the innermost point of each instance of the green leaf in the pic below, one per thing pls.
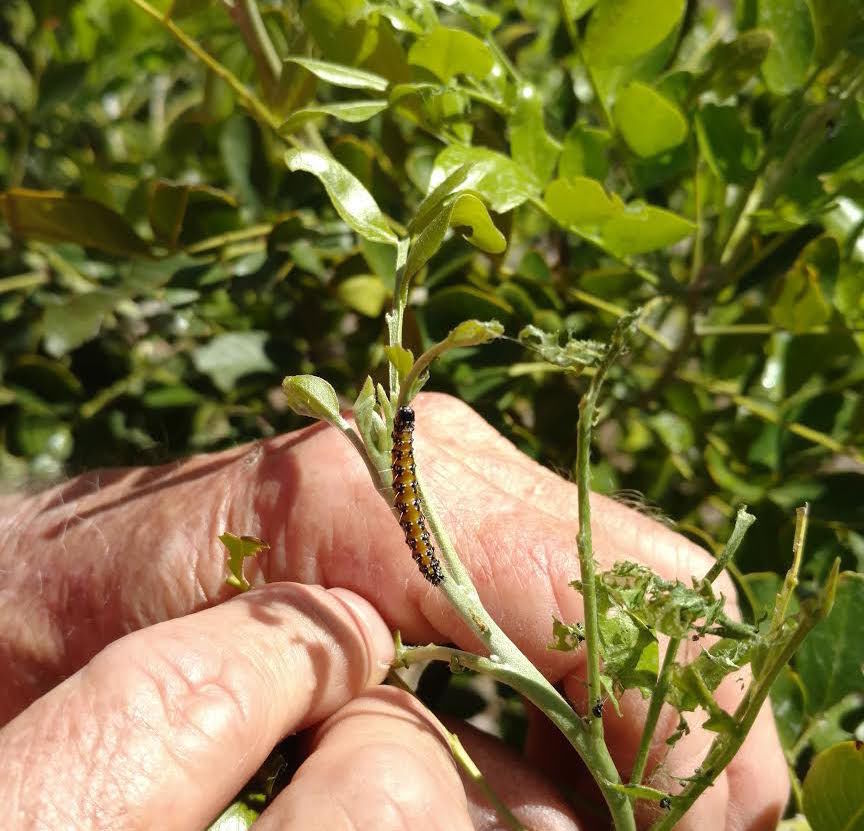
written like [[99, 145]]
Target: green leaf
[[581, 203], [530, 144], [620, 31], [574, 353], [231, 355], [77, 320], [59, 217], [340, 75], [574, 9], [629, 650], [720, 472], [800, 302], [450, 52], [836, 23], [371, 426], [364, 293], [448, 307], [464, 211], [642, 228], [238, 816], [585, 153], [833, 789], [501, 182], [732, 64], [351, 111], [401, 358], [831, 659], [788, 62], [648, 122], [169, 202], [692, 685], [186, 8], [788, 702], [16, 84], [350, 199], [309, 395], [731, 148], [566, 637], [239, 548], [474, 333]]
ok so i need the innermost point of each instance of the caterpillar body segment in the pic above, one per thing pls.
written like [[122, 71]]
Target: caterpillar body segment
[[407, 497]]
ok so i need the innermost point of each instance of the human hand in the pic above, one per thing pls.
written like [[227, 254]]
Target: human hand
[[113, 552]]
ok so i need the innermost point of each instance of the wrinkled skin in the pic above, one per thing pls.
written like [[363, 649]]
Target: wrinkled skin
[[160, 727]]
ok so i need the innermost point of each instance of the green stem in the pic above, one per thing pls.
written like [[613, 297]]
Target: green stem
[[619, 312], [658, 696], [400, 301], [587, 412], [470, 769], [248, 99], [247, 16], [743, 521], [790, 583], [726, 745], [527, 681]]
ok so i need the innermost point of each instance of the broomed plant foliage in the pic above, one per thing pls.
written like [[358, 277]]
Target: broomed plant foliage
[[201, 194]]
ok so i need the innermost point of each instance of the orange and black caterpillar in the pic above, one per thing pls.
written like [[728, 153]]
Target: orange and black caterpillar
[[407, 497]]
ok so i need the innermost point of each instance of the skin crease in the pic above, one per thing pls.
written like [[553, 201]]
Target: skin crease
[[108, 553]]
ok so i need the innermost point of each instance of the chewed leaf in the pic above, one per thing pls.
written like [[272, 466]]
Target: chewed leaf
[[566, 637], [239, 548], [573, 353], [474, 333]]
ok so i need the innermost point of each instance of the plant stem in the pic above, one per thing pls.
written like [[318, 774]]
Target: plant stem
[[726, 745], [249, 100], [526, 680], [619, 312], [400, 301], [587, 576], [743, 521], [790, 582], [476, 776], [247, 16]]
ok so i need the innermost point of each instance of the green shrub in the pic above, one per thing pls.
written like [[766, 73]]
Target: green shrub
[[198, 203]]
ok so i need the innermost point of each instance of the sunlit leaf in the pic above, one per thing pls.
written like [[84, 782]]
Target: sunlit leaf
[[501, 182], [364, 293], [620, 31], [350, 111], [450, 52], [350, 199], [239, 548], [649, 123], [309, 395], [463, 211], [340, 75], [530, 144]]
